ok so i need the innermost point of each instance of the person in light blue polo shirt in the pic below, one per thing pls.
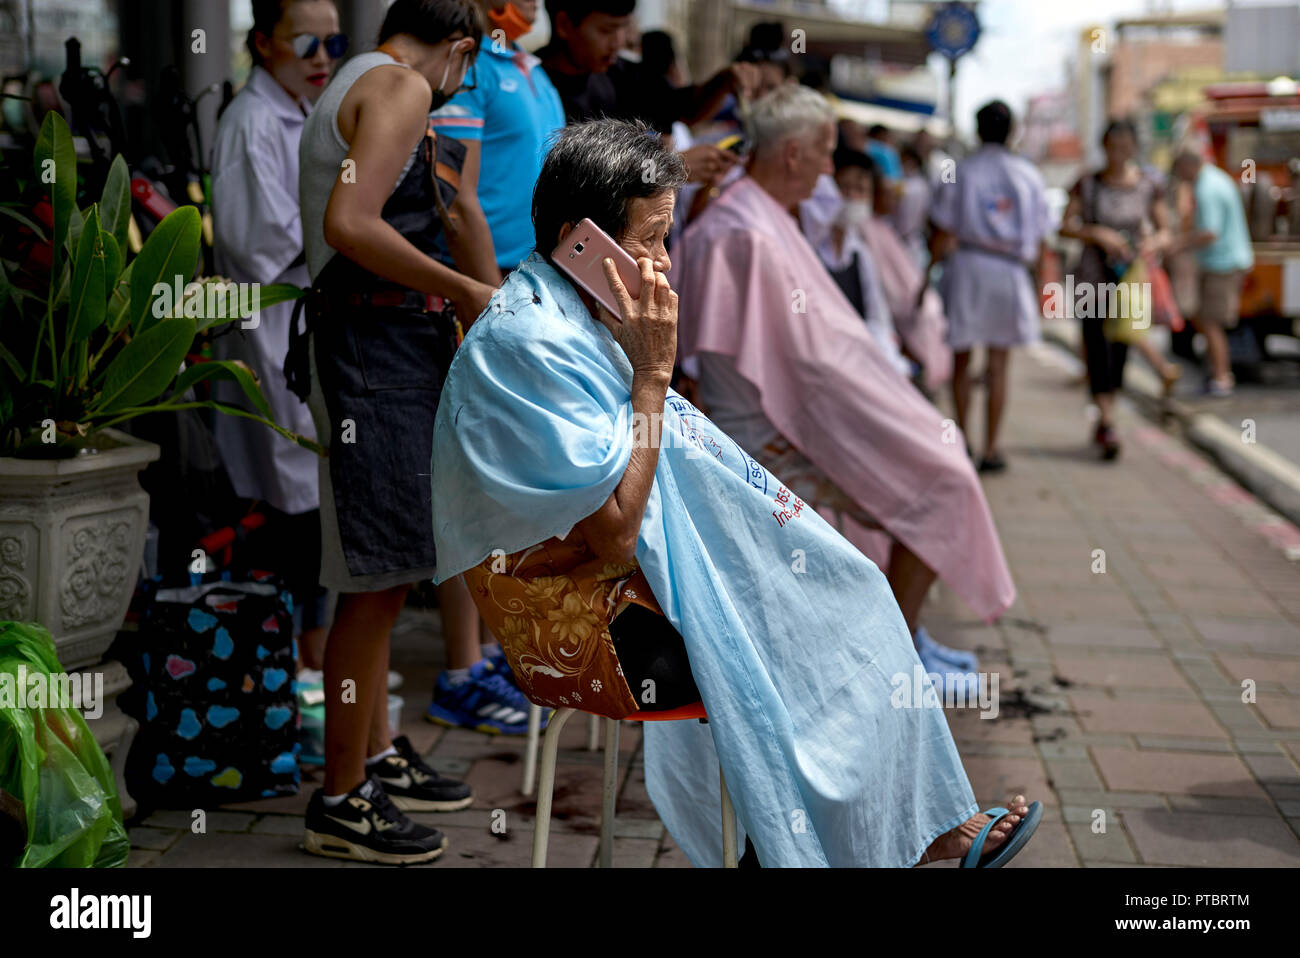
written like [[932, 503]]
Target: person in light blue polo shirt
[[1221, 239], [508, 118]]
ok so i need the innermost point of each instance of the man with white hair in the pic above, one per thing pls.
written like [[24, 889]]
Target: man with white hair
[[789, 370]]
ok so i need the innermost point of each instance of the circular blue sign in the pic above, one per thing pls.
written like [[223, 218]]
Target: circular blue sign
[[953, 30]]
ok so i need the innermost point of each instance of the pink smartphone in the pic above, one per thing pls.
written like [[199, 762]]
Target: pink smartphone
[[579, 257]]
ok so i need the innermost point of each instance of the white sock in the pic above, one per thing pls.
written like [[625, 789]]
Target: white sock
[[391, 750], [490, 649], [333, 800], [456, 676]]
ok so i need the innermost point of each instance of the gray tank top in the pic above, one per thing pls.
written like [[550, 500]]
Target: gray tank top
[[321, 154]]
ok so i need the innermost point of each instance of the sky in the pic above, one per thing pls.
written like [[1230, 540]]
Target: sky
[[1024, 45]]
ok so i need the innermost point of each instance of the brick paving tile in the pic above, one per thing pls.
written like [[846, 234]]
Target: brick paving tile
[[1108, 635], [1241, 602], [1189, 838], [967, 726], [215, 820], [1279, 710], [1223, 806], [226, 850], [996, 779], [1049, 848], [1184, 773], [1111, 845], [1230, 634], [1123, 713], [1116, 671], [153, 839], [670, 856]]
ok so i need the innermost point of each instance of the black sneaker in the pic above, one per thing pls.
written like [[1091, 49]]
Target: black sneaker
[[367, 827], [414, 786]]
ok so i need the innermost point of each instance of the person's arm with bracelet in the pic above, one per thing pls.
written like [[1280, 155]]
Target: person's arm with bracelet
[[387, 124], [648, 334]]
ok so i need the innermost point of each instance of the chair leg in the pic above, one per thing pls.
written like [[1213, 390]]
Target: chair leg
[[728, 824], [593, 733], [530, 748], [609, 794], [546, 788]]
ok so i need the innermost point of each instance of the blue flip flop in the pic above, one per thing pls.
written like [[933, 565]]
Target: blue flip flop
[[1017, 840]]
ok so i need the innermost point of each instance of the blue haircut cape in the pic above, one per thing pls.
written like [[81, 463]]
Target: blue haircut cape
[[799, 650]]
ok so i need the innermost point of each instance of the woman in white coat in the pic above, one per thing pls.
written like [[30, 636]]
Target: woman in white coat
[[258, 239]]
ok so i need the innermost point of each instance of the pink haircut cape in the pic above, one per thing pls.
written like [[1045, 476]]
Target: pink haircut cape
[[923, 330], [741, 275]]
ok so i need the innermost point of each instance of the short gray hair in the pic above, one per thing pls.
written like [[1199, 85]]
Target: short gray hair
[[788, 112], [593, 170]]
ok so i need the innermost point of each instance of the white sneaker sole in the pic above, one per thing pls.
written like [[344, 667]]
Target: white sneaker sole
[[428, 805], [331, 846]]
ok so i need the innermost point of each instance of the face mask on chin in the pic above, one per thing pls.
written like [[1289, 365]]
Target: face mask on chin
[[510, 22], [440, 96]]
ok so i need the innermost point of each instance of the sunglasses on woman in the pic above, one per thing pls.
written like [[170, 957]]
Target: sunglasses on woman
[[305, 45]]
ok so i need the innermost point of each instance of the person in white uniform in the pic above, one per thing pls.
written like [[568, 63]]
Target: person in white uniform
[[989, 226], [258, 239]]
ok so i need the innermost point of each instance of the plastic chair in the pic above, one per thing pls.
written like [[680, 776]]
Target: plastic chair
[[534, 742], [550, 748]]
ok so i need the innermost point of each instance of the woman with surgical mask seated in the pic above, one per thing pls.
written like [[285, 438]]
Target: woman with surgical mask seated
[[835, 219]]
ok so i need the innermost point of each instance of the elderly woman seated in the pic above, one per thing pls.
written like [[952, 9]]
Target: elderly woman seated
[[629, 555]]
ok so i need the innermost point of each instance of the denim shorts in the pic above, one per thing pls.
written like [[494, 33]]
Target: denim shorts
[[376, 379]]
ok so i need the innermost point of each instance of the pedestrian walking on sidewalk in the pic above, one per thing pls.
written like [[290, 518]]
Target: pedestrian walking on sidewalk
[[1119, 214], [989, 226]]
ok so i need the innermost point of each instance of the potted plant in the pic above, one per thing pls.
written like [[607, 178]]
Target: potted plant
[[90, 341]]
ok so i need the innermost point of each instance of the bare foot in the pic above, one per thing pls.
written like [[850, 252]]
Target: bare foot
[[956, 843]]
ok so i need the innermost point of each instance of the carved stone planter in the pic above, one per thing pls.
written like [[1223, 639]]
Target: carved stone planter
[[71, 539]]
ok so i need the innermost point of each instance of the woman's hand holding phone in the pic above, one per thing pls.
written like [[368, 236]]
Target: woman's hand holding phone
[[647, 330]]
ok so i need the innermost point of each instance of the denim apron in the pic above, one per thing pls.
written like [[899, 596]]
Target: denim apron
[[382, 352]]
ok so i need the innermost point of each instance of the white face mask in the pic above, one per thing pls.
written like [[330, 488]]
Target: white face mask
[[440, 94], [854, 212]]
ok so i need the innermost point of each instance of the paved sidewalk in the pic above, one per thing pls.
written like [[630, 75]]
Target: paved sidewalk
[[1121, 690]]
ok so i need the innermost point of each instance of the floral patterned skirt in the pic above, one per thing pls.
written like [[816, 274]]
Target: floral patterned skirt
[[550, 607]]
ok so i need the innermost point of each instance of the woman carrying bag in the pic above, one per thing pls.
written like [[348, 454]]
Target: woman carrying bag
[[1119, 214]]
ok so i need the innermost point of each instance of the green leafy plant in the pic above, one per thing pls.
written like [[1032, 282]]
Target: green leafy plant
[[91, 346]]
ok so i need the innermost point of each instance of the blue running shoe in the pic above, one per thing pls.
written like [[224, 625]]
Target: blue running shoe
[[498, 663], [486, 702], [926, 646], [954, 684]]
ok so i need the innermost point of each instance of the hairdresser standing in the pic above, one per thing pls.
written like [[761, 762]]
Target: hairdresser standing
[[377, 189]]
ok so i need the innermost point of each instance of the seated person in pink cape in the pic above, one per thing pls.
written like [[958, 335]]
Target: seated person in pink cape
[[849, 214], [789, 370]]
